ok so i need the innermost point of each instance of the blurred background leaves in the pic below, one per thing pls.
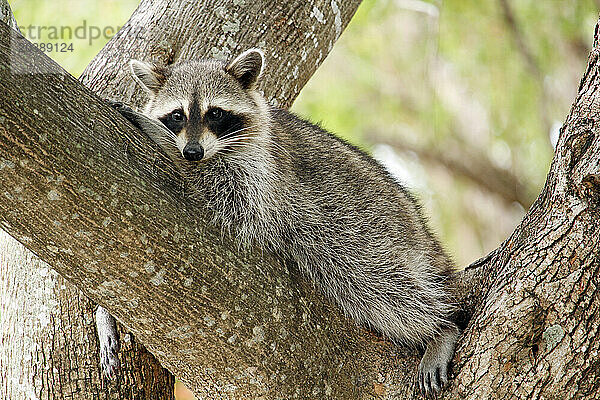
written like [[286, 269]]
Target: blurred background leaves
[[461, 99]]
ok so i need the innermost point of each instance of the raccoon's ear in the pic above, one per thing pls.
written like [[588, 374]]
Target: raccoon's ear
[[150, 77], [247, 67]]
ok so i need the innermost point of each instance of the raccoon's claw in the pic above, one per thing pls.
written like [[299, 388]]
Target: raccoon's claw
[[113, 103], [117, 105], [432, 378], [108, 337], [433, 368], [109, 358]]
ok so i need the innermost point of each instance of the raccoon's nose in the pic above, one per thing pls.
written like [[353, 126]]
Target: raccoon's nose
[[193, 152]]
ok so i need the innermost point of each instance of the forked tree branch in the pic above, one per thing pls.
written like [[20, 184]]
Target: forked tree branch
[[239, 324]]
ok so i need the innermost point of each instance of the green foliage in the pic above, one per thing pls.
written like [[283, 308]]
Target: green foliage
[[87, 25], [450, 76]]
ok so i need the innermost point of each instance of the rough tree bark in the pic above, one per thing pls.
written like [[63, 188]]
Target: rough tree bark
[[238, 324], [48, 342], [48, 347], [227, 28]]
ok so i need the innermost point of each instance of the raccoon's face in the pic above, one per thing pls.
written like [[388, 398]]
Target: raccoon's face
[[209, 106]]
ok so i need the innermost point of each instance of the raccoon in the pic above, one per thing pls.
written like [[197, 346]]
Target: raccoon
[[274, 180]]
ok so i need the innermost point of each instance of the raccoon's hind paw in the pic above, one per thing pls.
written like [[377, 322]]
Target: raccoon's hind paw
[[109, 358], [433, 368], [109, 342], [432, 377]]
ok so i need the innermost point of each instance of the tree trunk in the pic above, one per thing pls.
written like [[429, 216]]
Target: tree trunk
[[48, 342], [227, 29], [48, 346]]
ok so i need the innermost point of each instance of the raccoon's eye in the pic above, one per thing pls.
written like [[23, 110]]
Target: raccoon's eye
[[177, 116], [214, 114]]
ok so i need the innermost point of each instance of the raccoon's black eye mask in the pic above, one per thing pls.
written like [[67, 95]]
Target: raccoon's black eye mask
[[223, 122], [174, 121]]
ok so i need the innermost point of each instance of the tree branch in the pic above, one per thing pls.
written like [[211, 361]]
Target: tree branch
[[476, 168], [7, 16]]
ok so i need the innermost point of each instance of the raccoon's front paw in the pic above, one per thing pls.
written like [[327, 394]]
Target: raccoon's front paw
[[126, 111], [433, 368]]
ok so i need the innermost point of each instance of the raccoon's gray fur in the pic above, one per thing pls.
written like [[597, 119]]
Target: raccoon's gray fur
[[274, 180]]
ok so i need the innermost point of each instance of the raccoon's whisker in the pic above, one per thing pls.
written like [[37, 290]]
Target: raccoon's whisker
[[164, 130], [225, 151], [238, 137], [232, 148], [276, 147], [243, 135], [166, 140], [162, 139], [241, 139], [171, 138], [230, 134]]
